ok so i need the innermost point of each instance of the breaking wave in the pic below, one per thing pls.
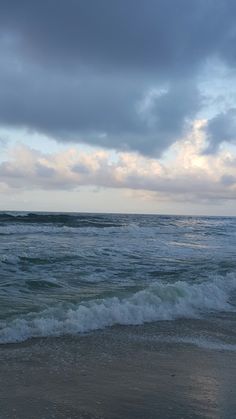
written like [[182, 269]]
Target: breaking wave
[[155, 303]]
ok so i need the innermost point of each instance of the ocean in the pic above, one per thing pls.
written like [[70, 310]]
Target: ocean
[[68, 274]]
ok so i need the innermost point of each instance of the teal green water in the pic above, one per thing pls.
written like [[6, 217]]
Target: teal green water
[[73, 273]]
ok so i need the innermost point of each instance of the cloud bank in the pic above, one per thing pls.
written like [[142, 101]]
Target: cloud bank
[[189, 175]]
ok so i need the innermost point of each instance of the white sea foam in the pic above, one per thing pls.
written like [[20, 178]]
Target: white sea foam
[[9, 259], [155, 303], [15, 213], [34, 229], [200, 342], [210, 344], [55, 229]]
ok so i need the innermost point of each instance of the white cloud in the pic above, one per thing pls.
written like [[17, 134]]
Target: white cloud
[[189, 175]]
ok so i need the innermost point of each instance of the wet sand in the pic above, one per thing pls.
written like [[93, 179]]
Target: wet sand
[[108, 375]]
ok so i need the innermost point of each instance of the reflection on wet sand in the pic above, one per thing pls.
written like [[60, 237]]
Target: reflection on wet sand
[[108, 375]]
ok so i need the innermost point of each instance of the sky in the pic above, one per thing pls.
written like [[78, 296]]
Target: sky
[[118, 106]]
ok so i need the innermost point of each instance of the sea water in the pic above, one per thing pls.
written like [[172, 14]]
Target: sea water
[[69, 274]]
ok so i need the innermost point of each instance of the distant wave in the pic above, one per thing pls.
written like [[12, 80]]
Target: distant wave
[[68, 220], [16, 229], [155, 303], [43, 222]]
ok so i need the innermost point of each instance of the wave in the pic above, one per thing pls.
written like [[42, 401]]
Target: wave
[[41, 228], [155, 303], [62, 219], [45, 222], [35, 229], [203, 343], [54, 229]]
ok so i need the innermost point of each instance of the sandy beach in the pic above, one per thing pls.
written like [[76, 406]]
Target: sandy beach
[[109, 375]]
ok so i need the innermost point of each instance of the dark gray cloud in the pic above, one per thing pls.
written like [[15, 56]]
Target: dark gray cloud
[[104, 111], [221, 128], [77, 69], [158, 34]]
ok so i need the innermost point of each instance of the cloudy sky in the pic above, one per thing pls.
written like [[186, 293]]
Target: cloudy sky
[[118, 106]]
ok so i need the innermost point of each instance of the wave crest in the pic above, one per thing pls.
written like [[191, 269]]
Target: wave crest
[[155, 303]]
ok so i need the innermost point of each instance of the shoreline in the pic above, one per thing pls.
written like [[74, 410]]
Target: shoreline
[[106, 375]]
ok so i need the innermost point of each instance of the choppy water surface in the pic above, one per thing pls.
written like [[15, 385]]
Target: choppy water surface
[[71, 273]]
